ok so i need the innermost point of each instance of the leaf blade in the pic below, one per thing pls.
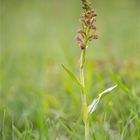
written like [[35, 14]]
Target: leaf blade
[[107, 91], [92, 107], [75, 80]]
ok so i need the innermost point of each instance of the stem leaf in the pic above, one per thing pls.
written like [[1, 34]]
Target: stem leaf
[[92, 107], [75, 80]]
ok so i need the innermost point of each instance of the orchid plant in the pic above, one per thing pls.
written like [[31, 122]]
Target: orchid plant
[[84, 35]]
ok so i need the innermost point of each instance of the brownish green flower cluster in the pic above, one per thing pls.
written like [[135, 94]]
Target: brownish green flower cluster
[[88, 31]]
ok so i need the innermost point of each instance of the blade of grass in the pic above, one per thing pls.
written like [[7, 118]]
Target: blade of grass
[[17, 132]]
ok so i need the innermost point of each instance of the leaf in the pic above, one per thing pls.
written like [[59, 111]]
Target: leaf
[[107, 91], [119, 82], [17, 132], [75, 80], [92, 107]]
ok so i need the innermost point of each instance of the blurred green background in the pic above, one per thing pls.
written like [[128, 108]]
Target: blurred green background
[[38, 101]]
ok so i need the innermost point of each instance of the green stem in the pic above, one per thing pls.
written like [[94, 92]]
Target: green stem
[[82, 62], [84, 100]]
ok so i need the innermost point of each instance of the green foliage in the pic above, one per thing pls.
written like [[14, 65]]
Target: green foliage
[[73, 77], [92, 107]]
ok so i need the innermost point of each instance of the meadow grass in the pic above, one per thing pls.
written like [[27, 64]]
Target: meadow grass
[[38, 101]]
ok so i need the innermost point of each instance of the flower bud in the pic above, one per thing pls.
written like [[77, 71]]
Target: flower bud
[[92, 37], [81, 32], [82, 45], [95, 36], [93, 26], [79, 38]]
